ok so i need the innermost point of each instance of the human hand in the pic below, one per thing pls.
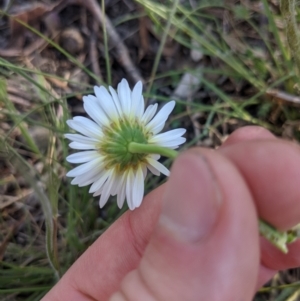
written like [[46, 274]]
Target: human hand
[[196, 237]]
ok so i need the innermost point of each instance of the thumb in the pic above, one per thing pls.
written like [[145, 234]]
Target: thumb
[[205, 245]]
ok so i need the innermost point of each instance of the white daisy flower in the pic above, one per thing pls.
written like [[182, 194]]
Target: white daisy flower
[[119, 118]]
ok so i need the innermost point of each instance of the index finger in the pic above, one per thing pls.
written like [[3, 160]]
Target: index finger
[[272, 171]]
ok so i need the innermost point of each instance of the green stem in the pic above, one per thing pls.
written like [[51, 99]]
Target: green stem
[[139, 148], [289, 14], [162, 44], [275, 237], [106, 48], [293, 234]]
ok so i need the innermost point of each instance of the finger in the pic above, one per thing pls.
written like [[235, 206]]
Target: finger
[[273, 258], [251, 133], [272, 171], [197, 242], [248, 133], [270, 256]]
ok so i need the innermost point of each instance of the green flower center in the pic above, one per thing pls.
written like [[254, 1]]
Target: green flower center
[[114, 146]]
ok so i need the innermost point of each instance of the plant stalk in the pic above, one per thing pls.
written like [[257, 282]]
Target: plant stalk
[[289, 13], [139, 148]]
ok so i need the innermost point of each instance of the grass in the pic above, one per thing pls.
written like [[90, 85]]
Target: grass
[[42, 235]]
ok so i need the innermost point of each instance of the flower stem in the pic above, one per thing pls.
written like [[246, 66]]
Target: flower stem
[[277, 238], [138, 148]]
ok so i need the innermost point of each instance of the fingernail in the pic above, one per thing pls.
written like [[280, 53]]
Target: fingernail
[[192, 199]]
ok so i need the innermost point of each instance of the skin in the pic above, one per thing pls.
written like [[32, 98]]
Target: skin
[[196, 237]]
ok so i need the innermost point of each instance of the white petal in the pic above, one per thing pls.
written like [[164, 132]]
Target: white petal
[[106, 102], [85, 126], [167, 136], [98, 184], [154, 156], [129, 186], [137, 100], [138, 188], [149, 113], [87, 178], [173, 143], [82, 146], [144, 171], [121, 194], [106, 190], [82, 157], [158, 128], [124, 94], [141, 108], [92, 107], [161, 116], [158, 166], [153, 170], [98, 192], [115, 189], [81, 169], [90, 176], [80, 138], [116, 100], [89, 124]]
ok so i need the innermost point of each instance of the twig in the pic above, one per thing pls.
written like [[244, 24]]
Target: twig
[[93, 52], [106, 50], [162, 44], [122, 53], [7, 200], [19, 101], [27, 51], [281, 96]]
